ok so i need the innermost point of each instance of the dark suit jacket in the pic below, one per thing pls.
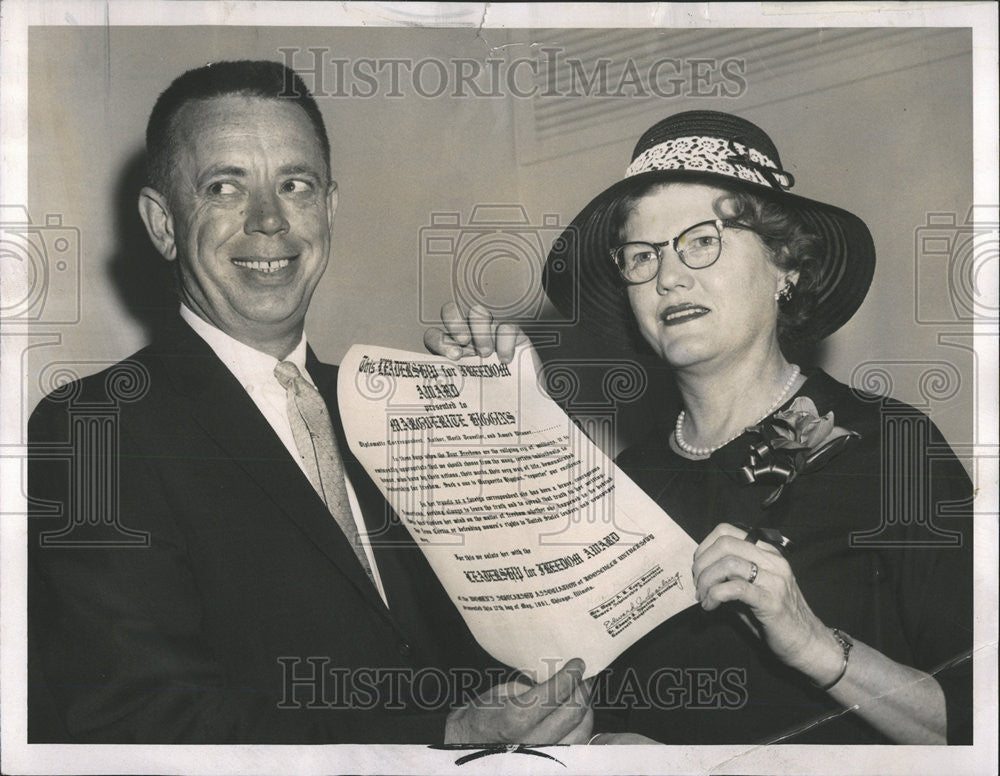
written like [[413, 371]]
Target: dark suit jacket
[[186, 583]]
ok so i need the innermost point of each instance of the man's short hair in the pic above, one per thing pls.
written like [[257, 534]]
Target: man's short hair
[[246, 78]]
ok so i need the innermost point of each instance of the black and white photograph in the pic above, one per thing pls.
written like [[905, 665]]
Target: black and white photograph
[[498, 388]]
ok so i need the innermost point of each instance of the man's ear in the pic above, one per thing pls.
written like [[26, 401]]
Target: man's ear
[[155, 214], [332, 198]]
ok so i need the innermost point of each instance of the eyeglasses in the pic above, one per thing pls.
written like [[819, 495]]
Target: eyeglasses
[[697, 246]]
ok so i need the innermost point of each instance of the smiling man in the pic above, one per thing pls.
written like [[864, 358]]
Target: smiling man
[[272, 596], [246, 210]]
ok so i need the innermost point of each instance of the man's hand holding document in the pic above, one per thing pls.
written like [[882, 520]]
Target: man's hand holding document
[[546, 548]]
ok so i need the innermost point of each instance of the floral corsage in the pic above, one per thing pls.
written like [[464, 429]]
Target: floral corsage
[[793, 442]]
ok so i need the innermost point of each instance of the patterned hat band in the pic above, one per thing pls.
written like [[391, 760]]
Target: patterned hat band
[[723, 156]]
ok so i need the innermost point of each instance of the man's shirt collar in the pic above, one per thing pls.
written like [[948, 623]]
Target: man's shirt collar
[[251, 367]]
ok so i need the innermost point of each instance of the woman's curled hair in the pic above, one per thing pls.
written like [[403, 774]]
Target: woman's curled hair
[[793, 248]]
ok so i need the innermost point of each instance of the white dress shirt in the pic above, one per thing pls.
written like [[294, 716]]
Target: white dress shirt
[[255, 371]]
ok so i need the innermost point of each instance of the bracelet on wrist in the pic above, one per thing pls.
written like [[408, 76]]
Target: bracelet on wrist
[[846, 643]]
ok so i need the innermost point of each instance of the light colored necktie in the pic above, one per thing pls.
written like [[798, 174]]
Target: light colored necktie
[[314, 437]]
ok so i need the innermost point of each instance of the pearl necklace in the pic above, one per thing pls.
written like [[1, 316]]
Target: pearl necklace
[[704, 452]]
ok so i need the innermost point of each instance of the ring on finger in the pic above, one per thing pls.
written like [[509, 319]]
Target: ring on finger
[[752, 576]]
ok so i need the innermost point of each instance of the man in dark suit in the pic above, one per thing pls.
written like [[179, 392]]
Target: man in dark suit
[[191, 580]]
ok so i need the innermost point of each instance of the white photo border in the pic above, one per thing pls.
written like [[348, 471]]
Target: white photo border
[[19, 757]]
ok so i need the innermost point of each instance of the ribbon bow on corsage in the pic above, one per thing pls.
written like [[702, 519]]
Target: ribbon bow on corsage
[[793, 442]]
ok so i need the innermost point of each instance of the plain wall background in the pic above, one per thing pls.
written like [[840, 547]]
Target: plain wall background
[[891, 147]]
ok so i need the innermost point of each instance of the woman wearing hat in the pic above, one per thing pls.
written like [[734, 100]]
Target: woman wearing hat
[[834, 566]]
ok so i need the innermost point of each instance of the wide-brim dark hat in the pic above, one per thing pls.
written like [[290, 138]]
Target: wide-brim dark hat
[[718, 149]]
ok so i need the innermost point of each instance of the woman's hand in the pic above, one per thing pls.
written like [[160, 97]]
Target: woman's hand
[[474, 333], [904, 703], [728, 568]]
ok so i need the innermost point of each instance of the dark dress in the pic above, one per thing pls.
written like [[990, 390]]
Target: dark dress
[[882, 549]]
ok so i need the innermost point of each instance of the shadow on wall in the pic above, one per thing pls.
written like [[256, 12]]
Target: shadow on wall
[[143, 280]]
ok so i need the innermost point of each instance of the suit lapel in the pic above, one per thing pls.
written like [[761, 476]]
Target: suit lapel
[[375, 512], [391, 543], [228, 415]]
